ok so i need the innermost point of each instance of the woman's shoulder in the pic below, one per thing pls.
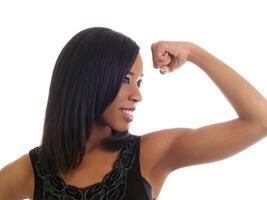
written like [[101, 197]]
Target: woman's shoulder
[[17, 179]]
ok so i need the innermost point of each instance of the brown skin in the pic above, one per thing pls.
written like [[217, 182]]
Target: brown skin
[[127, 97], [16, 178], [179, 147]]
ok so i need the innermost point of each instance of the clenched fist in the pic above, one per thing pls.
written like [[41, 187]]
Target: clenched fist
[[168, 55]]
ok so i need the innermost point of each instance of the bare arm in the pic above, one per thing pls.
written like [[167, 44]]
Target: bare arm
[[16, 180], [184, 146], [248, 103]]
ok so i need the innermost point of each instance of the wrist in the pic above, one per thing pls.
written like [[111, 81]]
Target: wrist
[[194, 51]]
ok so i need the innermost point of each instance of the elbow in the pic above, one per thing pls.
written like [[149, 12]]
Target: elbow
[[264, 127], [263, 124]]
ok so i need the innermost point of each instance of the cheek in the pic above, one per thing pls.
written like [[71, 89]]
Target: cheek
[[114, 119], [112, 115], [111, 112]]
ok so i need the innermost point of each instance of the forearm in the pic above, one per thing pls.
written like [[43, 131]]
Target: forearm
[[245, 99]]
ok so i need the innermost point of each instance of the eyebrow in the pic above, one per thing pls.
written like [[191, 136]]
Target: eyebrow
[[131, 73]]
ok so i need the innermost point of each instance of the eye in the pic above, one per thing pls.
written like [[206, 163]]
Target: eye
[[126, 78], [140, 83]]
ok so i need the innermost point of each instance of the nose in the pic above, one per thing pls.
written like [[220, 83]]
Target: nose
[[136, 95]]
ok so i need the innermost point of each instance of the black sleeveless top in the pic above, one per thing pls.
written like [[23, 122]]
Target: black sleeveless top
[[123, 182]]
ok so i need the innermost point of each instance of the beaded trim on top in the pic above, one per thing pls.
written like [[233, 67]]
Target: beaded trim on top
[[113, 186]]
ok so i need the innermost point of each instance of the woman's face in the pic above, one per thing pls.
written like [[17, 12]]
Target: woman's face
[[127, 97]]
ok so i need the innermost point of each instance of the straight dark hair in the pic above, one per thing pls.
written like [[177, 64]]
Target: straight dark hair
[[86, 78]]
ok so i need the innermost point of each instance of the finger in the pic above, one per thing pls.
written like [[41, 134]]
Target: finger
[[159, 51], [160, 65], [157, 63], [162, 55], [162, 71], [152, 46], [163, 58], [165, 69], [167, 60], [154, 58]]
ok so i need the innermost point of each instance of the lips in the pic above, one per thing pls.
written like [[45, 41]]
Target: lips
[[127, 113], [131, 109]]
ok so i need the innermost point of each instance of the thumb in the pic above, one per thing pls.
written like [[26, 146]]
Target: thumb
[[164, 70]]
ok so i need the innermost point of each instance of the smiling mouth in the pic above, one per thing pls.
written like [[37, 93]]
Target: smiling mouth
[[127, 115]]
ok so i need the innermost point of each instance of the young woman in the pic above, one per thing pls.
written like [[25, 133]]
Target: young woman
[[87, 151]]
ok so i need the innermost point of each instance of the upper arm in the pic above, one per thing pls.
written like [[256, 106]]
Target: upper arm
[[181, 147], [16, 179]]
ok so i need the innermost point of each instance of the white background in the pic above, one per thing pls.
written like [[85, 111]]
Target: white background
[[33, 33]]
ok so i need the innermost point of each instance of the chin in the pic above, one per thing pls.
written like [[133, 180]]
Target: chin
[[121, 130], [118, 125]]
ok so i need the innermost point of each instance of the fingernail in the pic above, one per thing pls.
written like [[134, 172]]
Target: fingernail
[[167, 69], [162, 71]]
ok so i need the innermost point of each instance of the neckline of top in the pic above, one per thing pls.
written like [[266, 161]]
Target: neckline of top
[[105, 177]]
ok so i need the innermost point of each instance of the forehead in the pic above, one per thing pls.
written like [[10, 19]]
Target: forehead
[[133, 74], [137, 68]]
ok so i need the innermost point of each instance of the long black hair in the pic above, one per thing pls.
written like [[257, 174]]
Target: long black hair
[[86, 78]]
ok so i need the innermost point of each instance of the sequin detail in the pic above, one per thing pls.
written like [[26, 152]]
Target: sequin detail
[[112, 187]]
